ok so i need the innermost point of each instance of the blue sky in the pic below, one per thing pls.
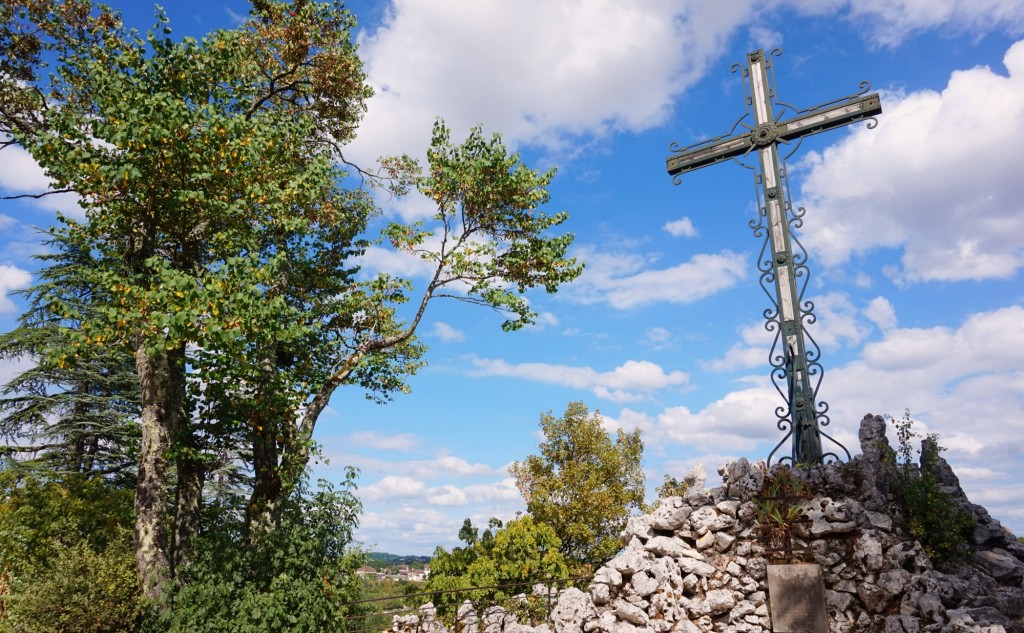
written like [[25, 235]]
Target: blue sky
[[915, 231]]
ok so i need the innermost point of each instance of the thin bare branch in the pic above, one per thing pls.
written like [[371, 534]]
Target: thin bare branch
[[37, 195]]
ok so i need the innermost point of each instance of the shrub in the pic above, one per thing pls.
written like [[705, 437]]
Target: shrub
[[83, 590], [926, 512], [299, 576]]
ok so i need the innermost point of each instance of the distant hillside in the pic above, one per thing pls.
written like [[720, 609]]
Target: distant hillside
[[383, 559]]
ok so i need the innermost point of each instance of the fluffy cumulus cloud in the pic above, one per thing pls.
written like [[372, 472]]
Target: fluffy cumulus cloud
[[448, 465], [502, 491], [626, 281], [540, 71], [409, 528], [559, 73], [393, 487], [735, 424], [683, 227], [839, 324], [20, 174], [446, 333], [881, 312], [11, 278], [938, 178], [633, 380], [963, 382], [889, 22]]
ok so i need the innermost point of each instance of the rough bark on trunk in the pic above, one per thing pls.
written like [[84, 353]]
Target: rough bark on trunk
[[160, 382], [267, 485], [191, 477]]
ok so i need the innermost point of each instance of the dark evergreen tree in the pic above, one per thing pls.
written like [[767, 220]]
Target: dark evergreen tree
[[78, 416]]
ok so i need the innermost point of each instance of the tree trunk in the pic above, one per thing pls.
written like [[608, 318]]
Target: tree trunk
[[161, 391], [267, 486], [191, 476]]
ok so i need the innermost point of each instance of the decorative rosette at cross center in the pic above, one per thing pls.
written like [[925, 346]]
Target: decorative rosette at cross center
[[763, 135]]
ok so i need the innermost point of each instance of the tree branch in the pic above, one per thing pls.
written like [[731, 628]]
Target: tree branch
[[37, 195]]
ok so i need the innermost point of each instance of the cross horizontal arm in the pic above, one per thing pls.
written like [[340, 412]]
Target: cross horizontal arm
[[708, 155], [828, 118], [806, 124]]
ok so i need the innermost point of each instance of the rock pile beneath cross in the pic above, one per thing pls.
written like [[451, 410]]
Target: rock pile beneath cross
[[697, 563]]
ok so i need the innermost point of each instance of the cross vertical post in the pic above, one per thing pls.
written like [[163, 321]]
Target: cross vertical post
[[795, 361]]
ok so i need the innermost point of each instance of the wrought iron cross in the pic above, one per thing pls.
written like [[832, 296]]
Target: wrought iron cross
[[794, 356]]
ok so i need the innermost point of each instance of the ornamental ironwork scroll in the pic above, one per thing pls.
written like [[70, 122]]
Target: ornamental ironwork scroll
[[795, 357]]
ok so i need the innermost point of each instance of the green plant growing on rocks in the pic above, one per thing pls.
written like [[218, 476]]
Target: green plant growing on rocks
[[673, 487], [778, 509], [926, 512]]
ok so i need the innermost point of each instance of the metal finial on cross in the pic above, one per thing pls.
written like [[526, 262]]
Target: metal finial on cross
[[793, 361]]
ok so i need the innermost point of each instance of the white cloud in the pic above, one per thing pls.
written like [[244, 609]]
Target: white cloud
[[447, 495], [444, 465], [763, 37], [11, 367], [633, 380], [20, 174], [937, 178], [446, 333], [751, 351], [562, 73], [541, 71], [11, 278], [378, 259], [626, 281], [409, 528], [683, 227], [397, 441], [889, 22], [658, 338], [881, 312], [544, 320], [965, 382], [393, 487], [503, 490], [839, 323], [733, 425]]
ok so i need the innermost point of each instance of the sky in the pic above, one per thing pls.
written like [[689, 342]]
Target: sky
[[915, 234]]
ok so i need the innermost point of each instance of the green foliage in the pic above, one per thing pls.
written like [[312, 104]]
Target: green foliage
[[778, 508], [381, 560], [83, 590], [929, 514], [42, 516], [79, 417], [382, 599], [503, 562], [492, 245], [672, 487], [66, 547], [219, 248], [583, 484], [298, 577]]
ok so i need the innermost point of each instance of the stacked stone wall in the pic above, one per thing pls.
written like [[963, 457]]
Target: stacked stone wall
[[698, 563]]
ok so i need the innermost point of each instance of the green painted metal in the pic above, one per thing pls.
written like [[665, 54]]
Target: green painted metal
[[794, 357]]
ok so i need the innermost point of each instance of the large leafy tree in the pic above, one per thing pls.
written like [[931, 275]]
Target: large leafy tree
[[222, 242], [583, 484], [494, 566]]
